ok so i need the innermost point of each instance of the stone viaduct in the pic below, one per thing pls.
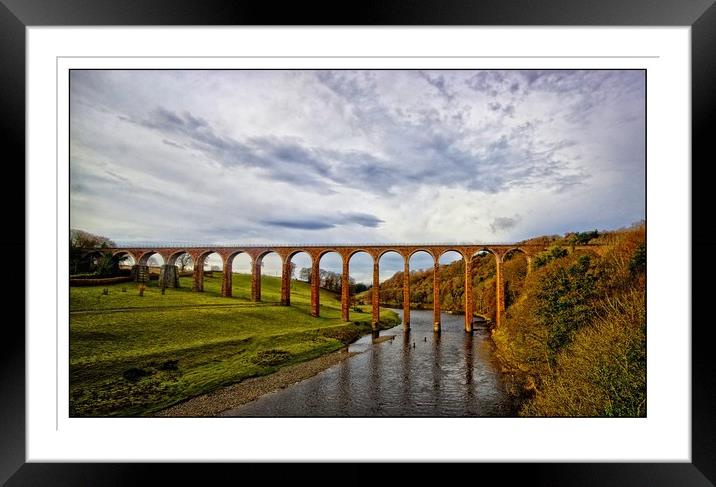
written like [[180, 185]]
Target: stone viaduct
[[168, 274]]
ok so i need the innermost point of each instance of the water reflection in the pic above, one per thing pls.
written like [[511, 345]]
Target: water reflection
[[418, 373]]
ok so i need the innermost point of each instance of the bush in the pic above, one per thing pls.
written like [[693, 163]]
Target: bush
[[581, 238], [552, 253], [133, 374], [638, 260], [603, 372], [564, 301], [575, 341]]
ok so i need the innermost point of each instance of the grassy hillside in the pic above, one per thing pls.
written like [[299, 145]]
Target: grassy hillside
[[133, 355], [575, 340], [452, 286]]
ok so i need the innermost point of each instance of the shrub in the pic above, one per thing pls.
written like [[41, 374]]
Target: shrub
[[564, 301], [552, 253], [603, 372], [638, 260], [133, 374]]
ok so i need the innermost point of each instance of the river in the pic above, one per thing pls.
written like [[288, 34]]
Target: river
[[416, 374]]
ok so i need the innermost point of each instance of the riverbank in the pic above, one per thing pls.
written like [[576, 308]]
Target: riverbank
[[420, 374], [135, 355], [235, 395]]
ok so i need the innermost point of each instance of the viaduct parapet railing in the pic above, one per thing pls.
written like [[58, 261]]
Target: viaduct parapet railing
[[170, 253]]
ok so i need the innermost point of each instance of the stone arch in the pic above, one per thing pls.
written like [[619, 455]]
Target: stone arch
[[322, 252], [350, 253], [392, 261], [174, 272], [256, 271], [127, 260], [428, 257], [288, 269], [123, 254], [388, 271], [199, 262], [445, 250], [146, 255], [412, 252], [316, 260], [346, 300], [415, 295], [227, 275], [380, 253], [229, 258], [449, 292], [144, 270], [509, 286], [499, 282], [512, 250], [488, 250]]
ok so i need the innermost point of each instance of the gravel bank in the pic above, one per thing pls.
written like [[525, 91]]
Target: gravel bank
[[250, 389]]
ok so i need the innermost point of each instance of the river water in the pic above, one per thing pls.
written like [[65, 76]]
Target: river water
[[415, 374]]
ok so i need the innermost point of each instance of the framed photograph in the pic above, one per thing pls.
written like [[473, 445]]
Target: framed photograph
[[423, 229]]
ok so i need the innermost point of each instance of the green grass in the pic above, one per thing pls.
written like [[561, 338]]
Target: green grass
[[134, 355]]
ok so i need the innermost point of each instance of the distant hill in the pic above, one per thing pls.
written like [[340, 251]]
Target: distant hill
[[452, 286]]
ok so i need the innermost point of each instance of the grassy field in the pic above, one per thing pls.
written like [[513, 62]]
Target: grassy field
[[134, 355]]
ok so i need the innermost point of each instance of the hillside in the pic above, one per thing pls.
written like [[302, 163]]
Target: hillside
[[134, 355], [573, 339], [452, 287]]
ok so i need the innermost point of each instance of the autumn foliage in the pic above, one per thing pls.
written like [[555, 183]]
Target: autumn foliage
[[573, 338], [575, 343]]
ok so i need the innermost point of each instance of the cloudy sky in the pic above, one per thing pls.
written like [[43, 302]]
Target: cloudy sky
[[354, 156]]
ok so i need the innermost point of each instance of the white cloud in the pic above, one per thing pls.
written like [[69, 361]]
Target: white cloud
[[366, 156]]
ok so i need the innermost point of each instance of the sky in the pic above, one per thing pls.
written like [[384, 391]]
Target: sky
[[318, 156]]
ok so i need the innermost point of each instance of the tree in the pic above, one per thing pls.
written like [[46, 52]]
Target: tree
[[184, 260], [581, 238], [107, 265], [80, 242], [564, 301], [360, 287], [305, 275], [84, 240]]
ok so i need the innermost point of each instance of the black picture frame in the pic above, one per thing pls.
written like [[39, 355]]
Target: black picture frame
[[16, 15]]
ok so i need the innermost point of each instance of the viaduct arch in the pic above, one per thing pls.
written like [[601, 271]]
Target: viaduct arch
[[315, 252]]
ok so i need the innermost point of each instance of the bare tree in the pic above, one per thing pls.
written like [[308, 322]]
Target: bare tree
[[183, 261], [80, 239], [80, 242]]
